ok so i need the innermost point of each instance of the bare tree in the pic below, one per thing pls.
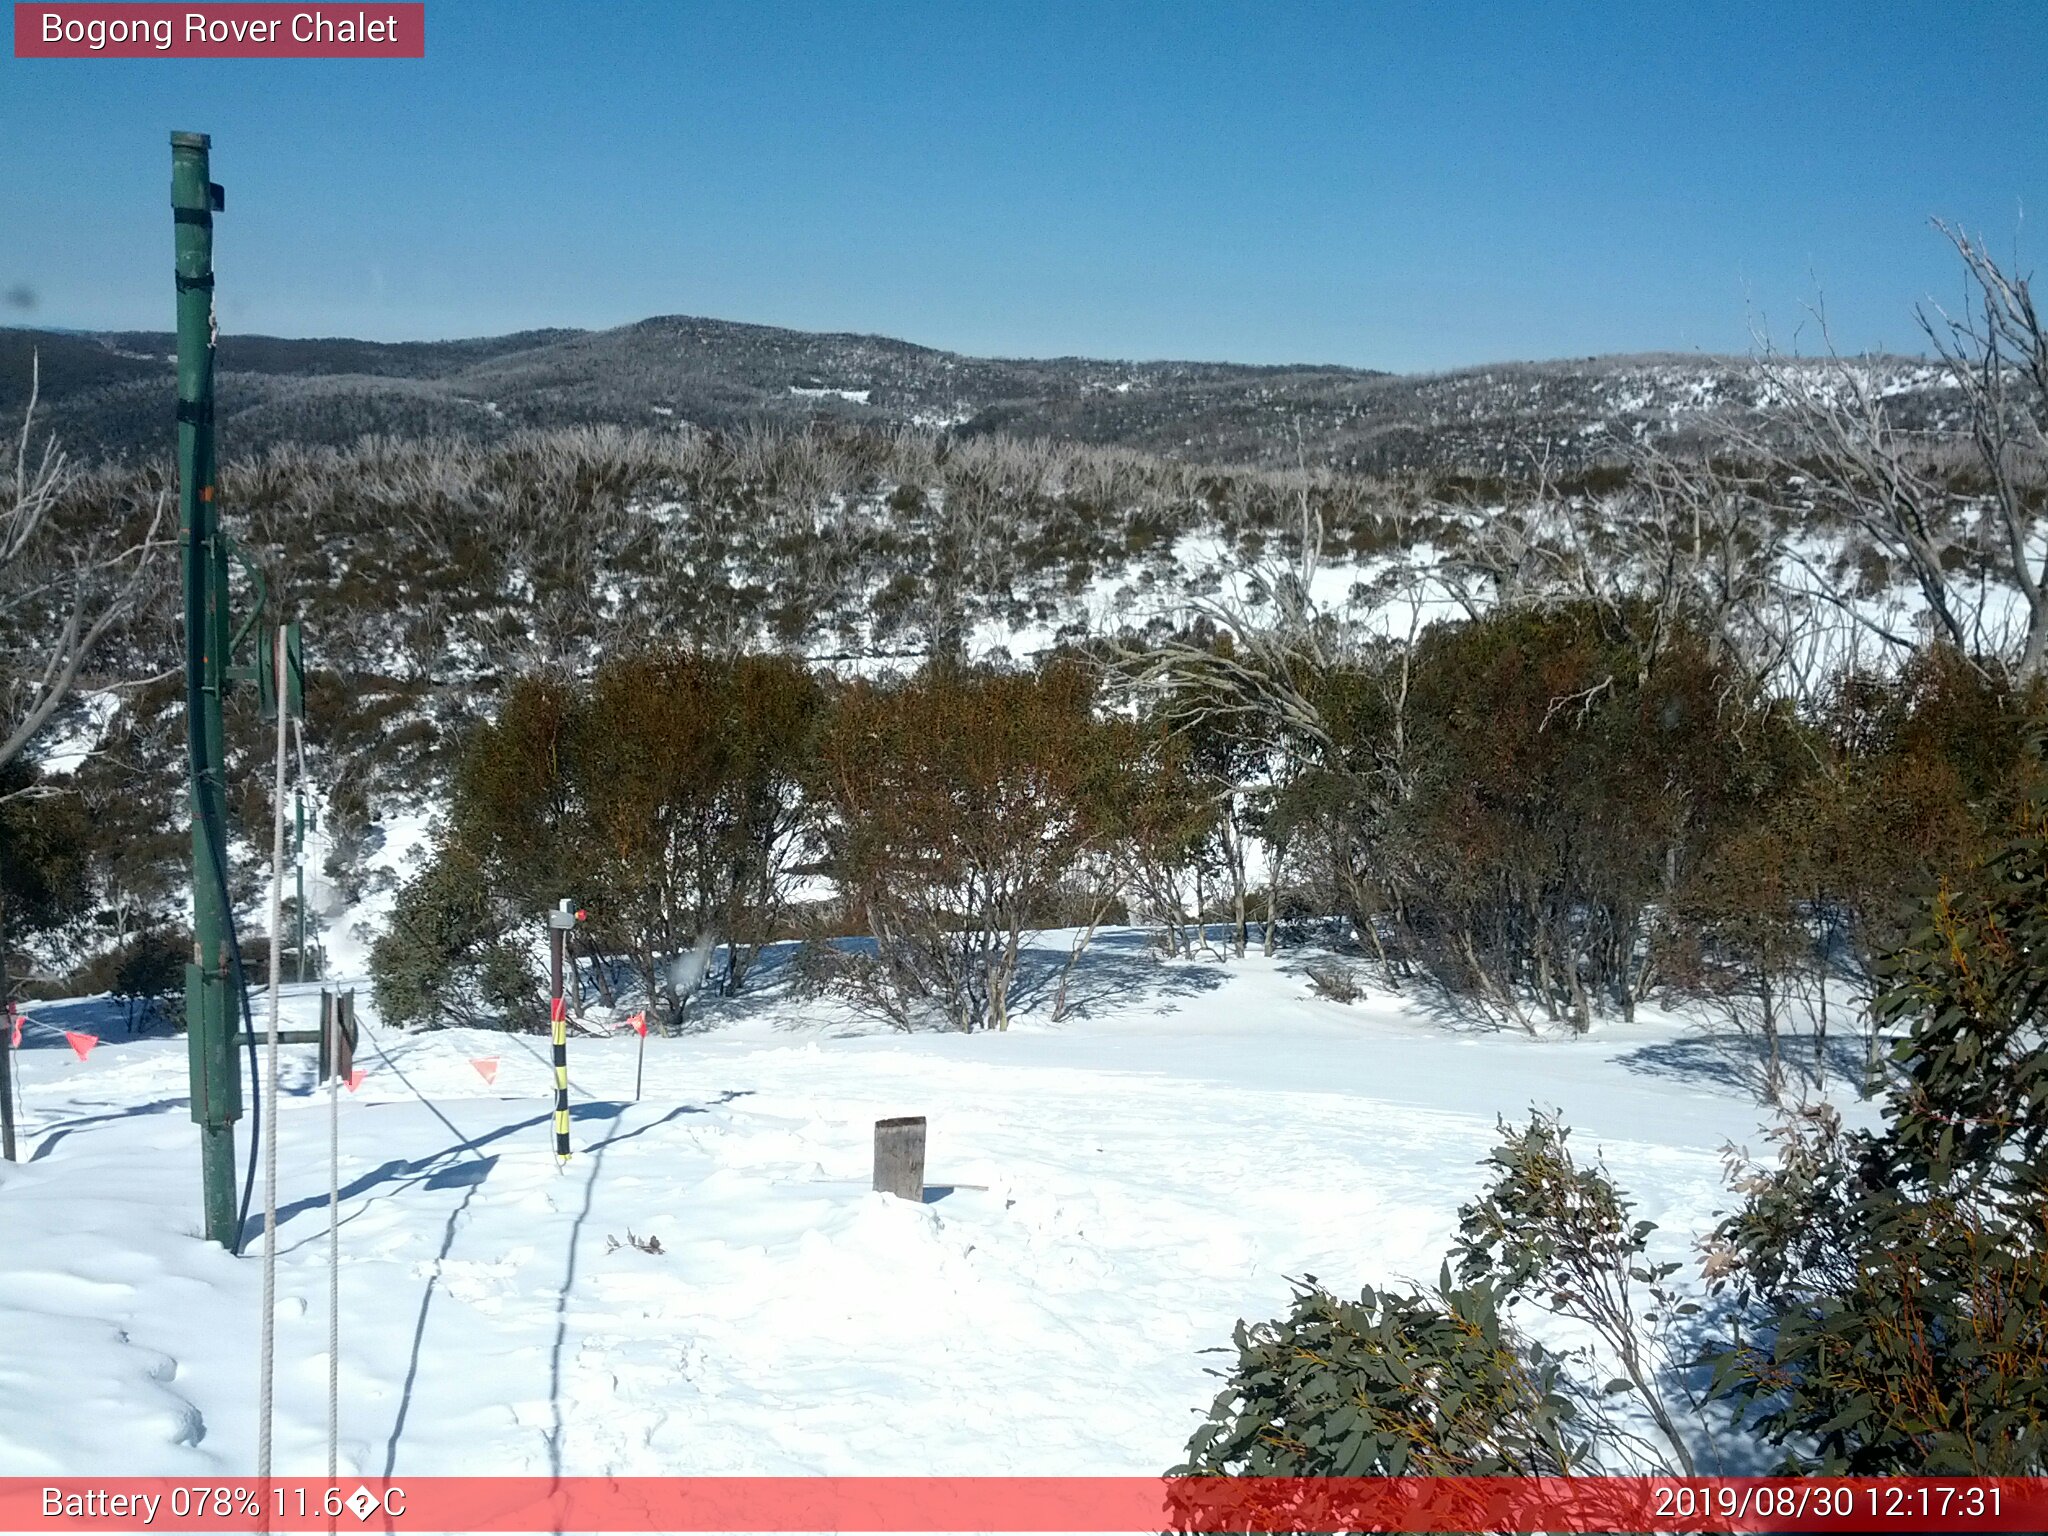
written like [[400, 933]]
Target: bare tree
[[1954, 506], [1278, 639], [1997, 354], [64, 587], [1689, 545]]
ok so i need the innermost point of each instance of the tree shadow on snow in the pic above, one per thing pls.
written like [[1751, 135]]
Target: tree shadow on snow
[[47, 1140], [1120, 970], [1417, 995], [1735, 1060], [433, 1170], [419, 1327], [766, 987], [1122, 967], [1468, 1016]]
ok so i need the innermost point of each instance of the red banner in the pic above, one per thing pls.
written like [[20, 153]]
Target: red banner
[[213, 31], [1019, 1504]]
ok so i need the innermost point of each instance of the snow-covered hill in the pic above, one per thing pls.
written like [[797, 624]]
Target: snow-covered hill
[[109, 393]]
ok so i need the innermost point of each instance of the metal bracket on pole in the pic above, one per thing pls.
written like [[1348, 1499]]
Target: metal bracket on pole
[[337, 1034], [255, 670], [294, 673]]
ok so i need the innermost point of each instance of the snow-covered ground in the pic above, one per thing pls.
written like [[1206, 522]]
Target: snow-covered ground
[[1107, 1197]]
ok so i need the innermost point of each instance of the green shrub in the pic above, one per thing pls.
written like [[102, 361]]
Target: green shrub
[[1892, 1287], [1444, 1384], [45, 862], [448, 957], [149, 975], [1559, 1235], [1386, 1385], [146, 972]]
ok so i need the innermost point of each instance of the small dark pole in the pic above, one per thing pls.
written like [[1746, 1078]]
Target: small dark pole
[[639, 1063], [555, 931], [899, 1157], [7, 1086], [560, 922]]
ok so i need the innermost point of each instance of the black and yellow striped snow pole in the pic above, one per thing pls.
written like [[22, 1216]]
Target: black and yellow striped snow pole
[[561, 1029], [560, 921]]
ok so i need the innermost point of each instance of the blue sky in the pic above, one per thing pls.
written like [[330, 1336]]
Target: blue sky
[[1396, 186]]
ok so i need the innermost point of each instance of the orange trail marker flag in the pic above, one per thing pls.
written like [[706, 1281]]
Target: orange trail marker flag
[[355, 1079], [16, 1020], [486, 1067], [81, 1042]]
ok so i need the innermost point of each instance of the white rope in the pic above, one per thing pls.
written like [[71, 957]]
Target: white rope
[[334, 1243], [299, 841], [330, 1024], [269, 1346]]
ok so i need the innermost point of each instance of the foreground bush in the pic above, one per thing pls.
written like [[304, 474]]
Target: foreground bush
[[1386, 1385], [1893, 1286], [1882, 1297]]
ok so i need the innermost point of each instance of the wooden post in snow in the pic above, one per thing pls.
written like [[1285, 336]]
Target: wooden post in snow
[[899, 1157]]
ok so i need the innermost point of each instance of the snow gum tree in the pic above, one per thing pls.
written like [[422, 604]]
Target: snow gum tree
[[685, 775], [956, 803], [1956, 513], [663, 795]]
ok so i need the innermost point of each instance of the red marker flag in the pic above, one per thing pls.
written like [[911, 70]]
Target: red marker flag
[[355, 1079], [81, 1042], [486, 1067], [638, 1022], [15, 1021]]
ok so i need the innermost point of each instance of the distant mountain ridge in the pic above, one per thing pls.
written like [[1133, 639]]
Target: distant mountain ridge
[[110, 393]]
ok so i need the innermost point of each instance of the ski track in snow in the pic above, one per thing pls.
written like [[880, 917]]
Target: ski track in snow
[[1153, 1174]]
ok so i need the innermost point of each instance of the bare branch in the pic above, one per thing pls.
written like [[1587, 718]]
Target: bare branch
[[73, 589]]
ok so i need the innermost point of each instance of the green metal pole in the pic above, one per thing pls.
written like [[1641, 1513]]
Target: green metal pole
[[209, 998]]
